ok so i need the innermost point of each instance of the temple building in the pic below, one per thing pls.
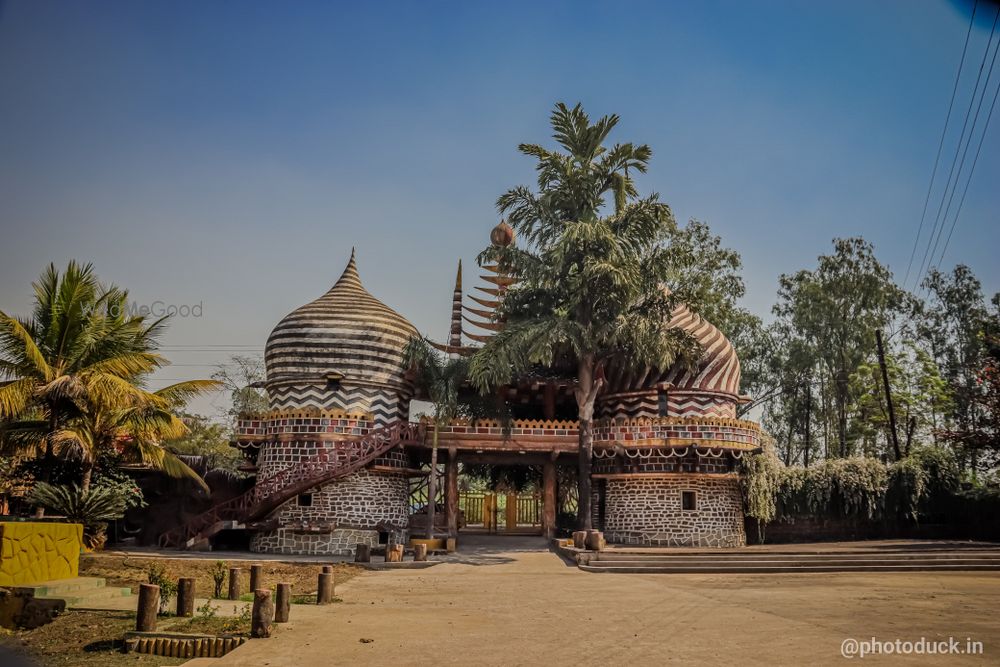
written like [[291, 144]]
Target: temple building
[[339, 463]]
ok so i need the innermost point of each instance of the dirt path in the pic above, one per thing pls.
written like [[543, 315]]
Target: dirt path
[[529, 607]]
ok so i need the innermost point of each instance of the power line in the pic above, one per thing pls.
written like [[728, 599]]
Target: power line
[[938, 227], [972, 169], [944, 132], [972, 130]]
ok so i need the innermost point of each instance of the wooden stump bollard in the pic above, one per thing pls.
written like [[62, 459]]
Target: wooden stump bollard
[[595, 540], [256, 577], [328, 569], [234, 583], [262, 618], [450, 545], [419, 552], [149, 606], [282, 602], [362, 553], [579, 539], [394, 553], [185, 596], [324, 591]]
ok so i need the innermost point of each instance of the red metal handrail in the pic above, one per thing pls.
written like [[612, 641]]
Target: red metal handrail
[[336, 460]]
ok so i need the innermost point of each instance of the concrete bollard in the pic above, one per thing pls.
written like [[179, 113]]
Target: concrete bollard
[[149, 606], [185, 596], [262, 619], [256, 577], [234, 583], [325, 588], [282, 602]]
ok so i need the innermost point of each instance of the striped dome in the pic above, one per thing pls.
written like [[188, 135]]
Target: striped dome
[[345, 334], [718, 370]]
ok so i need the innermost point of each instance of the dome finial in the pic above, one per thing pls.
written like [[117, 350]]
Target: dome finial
[[350, 274], [502, 235]]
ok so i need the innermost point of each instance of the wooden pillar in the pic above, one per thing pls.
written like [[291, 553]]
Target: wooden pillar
[[549, 404], [149, 606], [282, 602], [256, 577], [511, 511], [262, 618], [185, 596], [234, 583], [324, 591], [451, 492], [549, 498]]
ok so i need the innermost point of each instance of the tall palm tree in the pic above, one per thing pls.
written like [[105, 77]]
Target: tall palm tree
[[135, 425], [591, 274], [440, 379], [76, 366]]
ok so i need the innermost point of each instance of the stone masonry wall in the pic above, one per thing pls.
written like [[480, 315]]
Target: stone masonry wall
[[344, 513], [648, 511]]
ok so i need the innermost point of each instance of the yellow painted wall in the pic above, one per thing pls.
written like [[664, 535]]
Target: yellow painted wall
[[33, 552]]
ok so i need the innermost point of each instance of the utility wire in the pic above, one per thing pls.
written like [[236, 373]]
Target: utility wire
[[938, 227], [944, 132], [972, 131], [972, 169]]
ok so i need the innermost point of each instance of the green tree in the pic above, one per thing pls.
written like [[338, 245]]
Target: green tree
[[591, 273], [440, 380], [836, 309], [208, 439], [73, 375]]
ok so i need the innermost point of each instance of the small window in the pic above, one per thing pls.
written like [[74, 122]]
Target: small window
[[305, 500], [689, 501]]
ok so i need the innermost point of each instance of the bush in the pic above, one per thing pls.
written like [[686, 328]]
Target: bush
[[855, 487], [93, 509], [156, 574]]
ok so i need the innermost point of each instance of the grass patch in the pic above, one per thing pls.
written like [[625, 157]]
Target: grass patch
[[131, 571], [310, 599], [82, 639]]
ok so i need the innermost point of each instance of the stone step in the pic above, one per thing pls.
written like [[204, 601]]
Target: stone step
[[92, 599], [794, 563], [616, 556], [785, 569], [58, 587]]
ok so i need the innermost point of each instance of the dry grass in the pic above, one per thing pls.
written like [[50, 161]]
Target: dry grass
[[131, 571], [81, 639]]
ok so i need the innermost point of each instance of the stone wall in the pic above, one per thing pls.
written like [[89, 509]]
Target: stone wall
[[353, 510], [648, 511], [32, 552]]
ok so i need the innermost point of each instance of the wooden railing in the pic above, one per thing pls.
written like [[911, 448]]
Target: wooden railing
[[333, 461]]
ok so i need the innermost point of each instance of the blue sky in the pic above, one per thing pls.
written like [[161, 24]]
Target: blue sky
[[231, 153]]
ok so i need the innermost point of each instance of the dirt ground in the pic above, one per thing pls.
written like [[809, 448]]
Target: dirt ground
[[81, 639], [129, 570], [528, 607]]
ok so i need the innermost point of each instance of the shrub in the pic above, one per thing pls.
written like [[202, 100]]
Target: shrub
[[156, 573], [219, 571], [93, 509]]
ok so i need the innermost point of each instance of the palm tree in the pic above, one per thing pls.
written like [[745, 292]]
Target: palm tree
[[71, 374], [590, 276], [135, 424], [440, 379]]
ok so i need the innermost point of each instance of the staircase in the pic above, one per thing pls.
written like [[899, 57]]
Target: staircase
[[338, 459], [83, 593], [902, 559]]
